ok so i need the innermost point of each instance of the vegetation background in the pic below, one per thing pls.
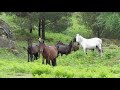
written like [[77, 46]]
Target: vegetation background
[[62, 26]]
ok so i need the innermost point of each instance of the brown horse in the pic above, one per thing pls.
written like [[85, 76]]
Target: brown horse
[[48, 53], [32, 50], [75, 47]]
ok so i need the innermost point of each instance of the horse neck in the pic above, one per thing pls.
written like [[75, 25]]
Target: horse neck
[[29, 42], [30, 45], [43, 46], [82, 39], [70, 46]]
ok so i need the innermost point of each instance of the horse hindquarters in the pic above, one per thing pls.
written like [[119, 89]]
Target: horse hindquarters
[[35, 56]]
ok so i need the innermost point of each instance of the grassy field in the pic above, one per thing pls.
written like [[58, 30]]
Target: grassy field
[[75, 65]]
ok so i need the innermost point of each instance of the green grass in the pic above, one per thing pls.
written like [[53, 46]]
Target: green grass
[[74, 65]]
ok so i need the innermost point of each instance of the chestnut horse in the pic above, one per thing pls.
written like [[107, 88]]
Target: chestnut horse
[[48, 53]]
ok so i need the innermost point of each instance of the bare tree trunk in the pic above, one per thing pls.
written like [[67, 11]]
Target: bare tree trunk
[[43, 28], [39, 28], [30, 28]]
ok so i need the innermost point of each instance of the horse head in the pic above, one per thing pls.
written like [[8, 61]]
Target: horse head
[[79, 38], [41, 44]]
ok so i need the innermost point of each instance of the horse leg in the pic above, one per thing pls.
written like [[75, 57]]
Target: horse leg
[[28, 57], [42, 60], [36, 55], [54, 62], [58, 54], [39, 54], [93, 50], [85, 50], [31, 57], [47, 61]]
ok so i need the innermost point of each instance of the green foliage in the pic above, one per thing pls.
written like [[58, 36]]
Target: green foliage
[[106, 23], [54, 21], [9, 19], [53, 38], [75, 65], [43, 69], [110, 24], [77, 26]]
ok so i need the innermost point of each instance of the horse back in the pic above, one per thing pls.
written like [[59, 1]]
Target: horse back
[[34, 48], [93, 41], [50, 52]]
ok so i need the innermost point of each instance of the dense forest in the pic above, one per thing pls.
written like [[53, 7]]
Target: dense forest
[[100, 24]]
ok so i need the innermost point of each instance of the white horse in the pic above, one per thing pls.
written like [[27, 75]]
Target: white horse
[[89, 43]]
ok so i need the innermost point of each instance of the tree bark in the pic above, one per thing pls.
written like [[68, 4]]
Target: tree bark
[[30, 28], [39, 28], [43, 28]]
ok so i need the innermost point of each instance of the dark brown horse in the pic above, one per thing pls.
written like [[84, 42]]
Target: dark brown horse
[[75, 47], [64, 49], [60, 43], [32, 50], [48, 53]]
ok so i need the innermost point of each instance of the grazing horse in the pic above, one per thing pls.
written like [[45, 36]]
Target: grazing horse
[[64, 49], [32, 50], [48, 53], [89, 43], [75, 47]]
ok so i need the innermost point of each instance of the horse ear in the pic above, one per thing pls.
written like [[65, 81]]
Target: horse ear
[[39, 39], [77, 35]]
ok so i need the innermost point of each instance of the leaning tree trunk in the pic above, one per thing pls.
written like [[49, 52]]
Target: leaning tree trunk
[[43, 28]]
